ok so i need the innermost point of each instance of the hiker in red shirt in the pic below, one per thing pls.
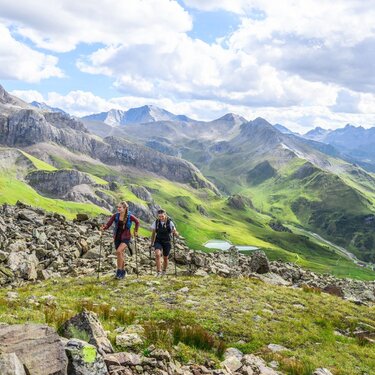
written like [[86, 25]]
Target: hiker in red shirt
[[123, 220]]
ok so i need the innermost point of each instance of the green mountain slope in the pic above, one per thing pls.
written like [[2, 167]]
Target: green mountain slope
[[13, 187], [328, 204], [200, 214], [294, 183]]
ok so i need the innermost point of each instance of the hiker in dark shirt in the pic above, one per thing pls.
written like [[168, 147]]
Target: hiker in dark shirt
[[123, 220], [162, 231]]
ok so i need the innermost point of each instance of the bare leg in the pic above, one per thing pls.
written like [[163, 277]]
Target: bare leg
[[157, 258], [120, 251], [165, 263]]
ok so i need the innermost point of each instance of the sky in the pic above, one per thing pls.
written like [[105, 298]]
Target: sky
[[300, 63]]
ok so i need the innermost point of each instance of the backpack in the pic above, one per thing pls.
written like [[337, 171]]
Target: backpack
[[169, 229], [168, 224], [128, 224]]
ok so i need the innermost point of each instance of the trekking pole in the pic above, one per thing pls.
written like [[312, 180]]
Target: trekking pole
[[136, 255], [150, 261], [174, 255], [100, 252]]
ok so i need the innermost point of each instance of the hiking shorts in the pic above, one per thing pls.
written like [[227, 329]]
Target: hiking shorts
[[164, 246], [119, 242]]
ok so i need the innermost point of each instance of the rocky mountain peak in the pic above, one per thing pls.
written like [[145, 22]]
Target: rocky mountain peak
[[233, 118], [259, 126], [138, 115], [46, 107], [317, 134], [7, 99], [147, 113]]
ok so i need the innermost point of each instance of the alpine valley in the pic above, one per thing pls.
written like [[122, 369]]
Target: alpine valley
[[247, 182]]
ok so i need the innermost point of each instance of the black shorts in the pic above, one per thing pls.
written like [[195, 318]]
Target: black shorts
[[165, 246], [119, 242]]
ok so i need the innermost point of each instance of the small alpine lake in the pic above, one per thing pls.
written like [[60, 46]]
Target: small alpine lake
[[225, 245]]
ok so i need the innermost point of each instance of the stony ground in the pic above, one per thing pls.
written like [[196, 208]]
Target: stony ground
[[315, 329], [292, 319], [35, 245]]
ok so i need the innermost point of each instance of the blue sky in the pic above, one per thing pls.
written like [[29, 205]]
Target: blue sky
[[302, 64]]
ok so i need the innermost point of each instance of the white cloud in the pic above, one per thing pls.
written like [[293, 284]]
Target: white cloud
[[346, 21], [28, 95], [18, 61], [60, 25], [79, 103], [347, 102], [191, 69], [318, 40], [366, 104]]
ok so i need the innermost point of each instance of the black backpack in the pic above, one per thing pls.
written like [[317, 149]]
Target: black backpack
[[168, 225]]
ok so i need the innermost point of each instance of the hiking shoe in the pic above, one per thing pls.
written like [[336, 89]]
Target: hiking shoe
[[158, 274], [163, 273], [122, 274]]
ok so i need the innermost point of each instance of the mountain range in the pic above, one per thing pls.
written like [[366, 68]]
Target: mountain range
[[227, 179], [278, 169], [146, 113], [355, 143]]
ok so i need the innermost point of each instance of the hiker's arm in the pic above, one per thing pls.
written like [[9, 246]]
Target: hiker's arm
[[174, 230], [136, 221], [109, 223], [153, 235]]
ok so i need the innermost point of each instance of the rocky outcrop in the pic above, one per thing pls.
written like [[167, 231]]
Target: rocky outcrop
[[70, 185], [142, 212], [259, 262], [57, 183], [64, 121], [26, 127], [36, 346], [117, 150], [142, 193], [261, 173], [84, 359], [9, 158], [239, 202], [88, 322], [7, 99], [161, 362], [202, 210], [162, 147], [278, 226]]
